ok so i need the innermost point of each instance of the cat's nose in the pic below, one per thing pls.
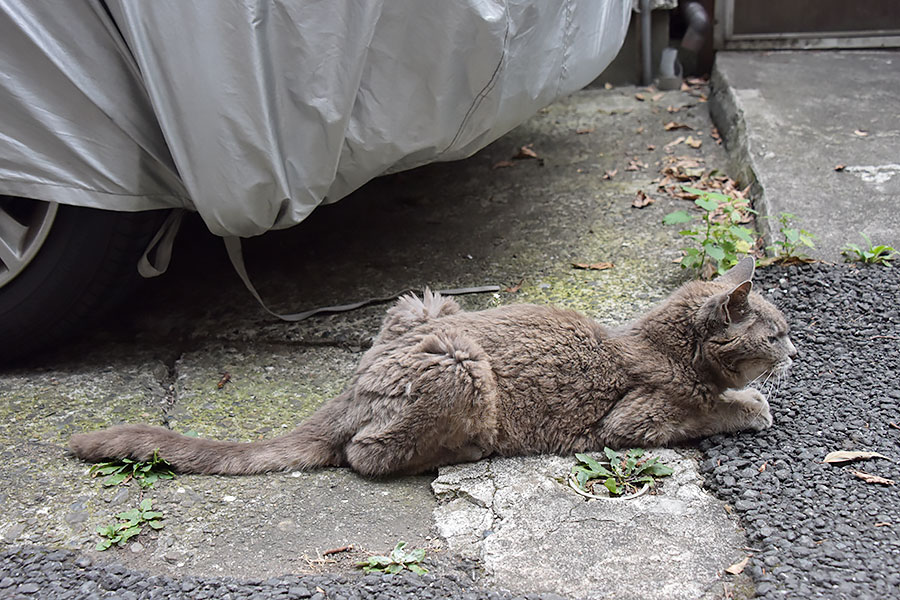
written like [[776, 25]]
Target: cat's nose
[[792, 350]]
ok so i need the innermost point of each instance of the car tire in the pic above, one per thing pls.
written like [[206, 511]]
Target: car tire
[[85, 265]]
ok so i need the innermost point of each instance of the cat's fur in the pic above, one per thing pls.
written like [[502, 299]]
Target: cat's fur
[[442, 386]]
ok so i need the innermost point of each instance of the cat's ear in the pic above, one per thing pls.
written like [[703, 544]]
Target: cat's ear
[[729, 307], [741, 272]]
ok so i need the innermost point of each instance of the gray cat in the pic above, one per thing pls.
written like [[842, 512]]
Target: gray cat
[[442, 386]]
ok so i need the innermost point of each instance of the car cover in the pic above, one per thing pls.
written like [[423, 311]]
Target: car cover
[[253, 113]]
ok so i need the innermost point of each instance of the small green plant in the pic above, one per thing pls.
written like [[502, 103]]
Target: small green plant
[[125, 470], [790, 248], [398, 560], [719, 236], [621, 472], [871, 254], [130, 523]]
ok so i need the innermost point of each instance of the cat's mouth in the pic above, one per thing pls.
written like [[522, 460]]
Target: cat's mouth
[[781, 369], [770, 378], [765, 375]]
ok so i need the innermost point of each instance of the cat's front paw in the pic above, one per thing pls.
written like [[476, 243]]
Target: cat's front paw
[[757, 409], [752, 409]]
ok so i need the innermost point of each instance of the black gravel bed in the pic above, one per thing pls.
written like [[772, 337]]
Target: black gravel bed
[[31, 572], [817, 530]]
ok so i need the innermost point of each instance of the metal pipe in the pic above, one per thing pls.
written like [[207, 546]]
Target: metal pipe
[[698, 26], [646, 54]]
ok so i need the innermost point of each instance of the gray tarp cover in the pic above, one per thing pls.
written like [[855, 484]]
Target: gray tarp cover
[[255, 112]]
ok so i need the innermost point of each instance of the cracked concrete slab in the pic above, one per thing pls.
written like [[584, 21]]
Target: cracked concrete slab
[[532, 533]]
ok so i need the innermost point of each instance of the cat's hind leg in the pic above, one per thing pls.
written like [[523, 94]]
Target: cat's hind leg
[[411, 311], [431, 405]]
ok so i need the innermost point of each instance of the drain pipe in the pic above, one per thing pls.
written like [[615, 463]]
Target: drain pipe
[[674, 63], [646, 56], [698, 26]]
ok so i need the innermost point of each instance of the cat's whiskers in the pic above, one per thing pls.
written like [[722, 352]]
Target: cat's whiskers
[[768, 384], [774, 378]]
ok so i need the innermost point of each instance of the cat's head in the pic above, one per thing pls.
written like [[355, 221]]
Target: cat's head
[[742, 335]]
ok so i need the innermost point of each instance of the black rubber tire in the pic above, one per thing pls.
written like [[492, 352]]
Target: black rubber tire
[[87, 265]]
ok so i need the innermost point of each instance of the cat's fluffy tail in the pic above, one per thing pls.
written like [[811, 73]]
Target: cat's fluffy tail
[[313, 444]]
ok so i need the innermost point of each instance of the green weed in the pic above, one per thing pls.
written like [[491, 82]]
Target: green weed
[[130, 523], [125, 470], [398, 560], [621, 473], [719, 238], [790, 248], [870, 254]]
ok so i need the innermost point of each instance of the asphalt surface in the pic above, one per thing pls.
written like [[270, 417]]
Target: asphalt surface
[[816, 529]]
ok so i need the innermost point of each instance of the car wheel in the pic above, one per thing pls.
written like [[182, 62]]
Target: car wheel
[[62, 266]]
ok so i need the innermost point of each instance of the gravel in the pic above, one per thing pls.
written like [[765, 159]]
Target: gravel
[[32, 572], [816, 530]]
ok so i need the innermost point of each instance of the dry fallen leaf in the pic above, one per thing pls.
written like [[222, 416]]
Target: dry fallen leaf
[[526, 151], [503, 164], [883, 524], [714, 134], [785, 261], [651, 147], [738, 567], [639, 97], [657, 97], [869, 478], [610, 174], [674, 142], [840, 167], [639, 130], [635, 165], [860, 132], [894, 425], [847, 455], [763, 467], [584, 130], [682, 195], [599, 266], [608, 85], [672, 125], [642, 200], [515, 288], [693, 142]]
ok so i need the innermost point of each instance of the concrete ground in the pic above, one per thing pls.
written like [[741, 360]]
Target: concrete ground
[[818, 133], [492, 219]]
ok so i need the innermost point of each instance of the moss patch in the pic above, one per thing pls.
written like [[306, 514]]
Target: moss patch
[[51, 406], [267, 393]]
